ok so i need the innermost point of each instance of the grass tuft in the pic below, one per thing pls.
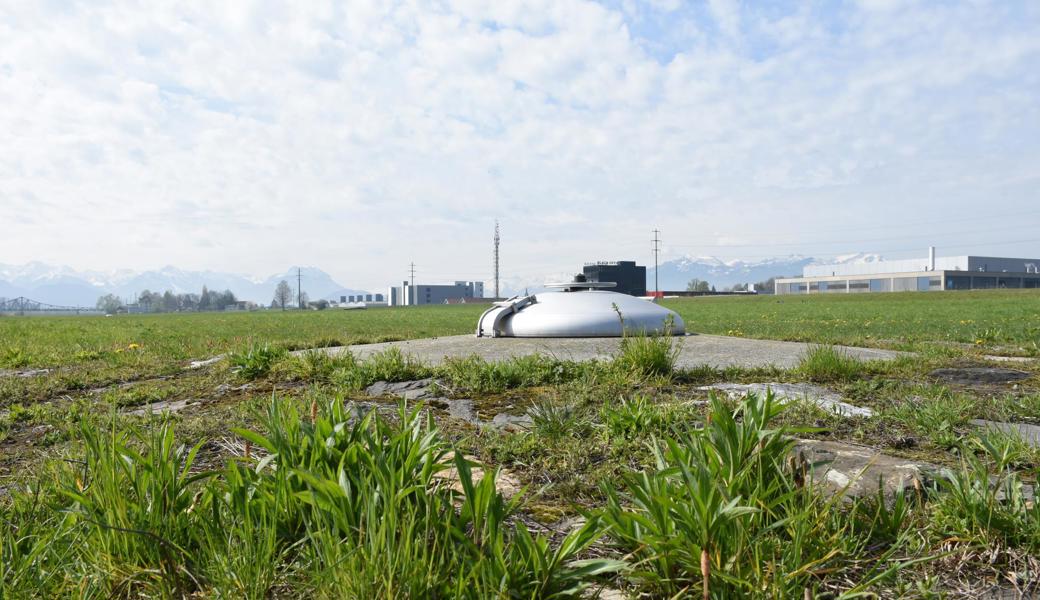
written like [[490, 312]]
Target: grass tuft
[[257, 361], [826, 364]]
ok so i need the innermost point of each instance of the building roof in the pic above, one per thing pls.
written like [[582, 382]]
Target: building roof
[[989, 264]]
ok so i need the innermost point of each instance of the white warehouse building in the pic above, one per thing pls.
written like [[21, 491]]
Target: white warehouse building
[[919, 274]]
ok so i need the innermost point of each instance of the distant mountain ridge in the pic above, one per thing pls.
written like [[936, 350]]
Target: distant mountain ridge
[[675, 274], [68, 287]]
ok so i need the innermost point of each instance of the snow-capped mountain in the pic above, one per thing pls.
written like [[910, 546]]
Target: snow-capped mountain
[[675, 274], [68, 287]]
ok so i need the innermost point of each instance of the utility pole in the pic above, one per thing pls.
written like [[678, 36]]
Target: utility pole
[[657, 251], [299, 287], [410, 298], [496, 258]]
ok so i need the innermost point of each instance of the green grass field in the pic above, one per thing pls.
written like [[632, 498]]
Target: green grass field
[[269, 485], [1005, 321], [1008, 320]]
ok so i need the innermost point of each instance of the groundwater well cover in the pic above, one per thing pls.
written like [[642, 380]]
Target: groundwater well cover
[[578, 313]]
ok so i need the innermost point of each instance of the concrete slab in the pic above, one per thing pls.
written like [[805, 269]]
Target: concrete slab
[[697, 350]]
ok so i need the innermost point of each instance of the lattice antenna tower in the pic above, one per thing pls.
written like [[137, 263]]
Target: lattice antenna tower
[[496, 258]]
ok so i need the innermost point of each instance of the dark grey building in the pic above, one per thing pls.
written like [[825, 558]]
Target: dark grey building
[[629, 277]]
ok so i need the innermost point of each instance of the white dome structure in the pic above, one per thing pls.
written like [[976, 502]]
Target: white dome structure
[[579, 310]]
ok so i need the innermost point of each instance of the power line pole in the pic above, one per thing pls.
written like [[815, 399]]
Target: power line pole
[[496, 258], [299, 287], [657, 251], [410, 299]]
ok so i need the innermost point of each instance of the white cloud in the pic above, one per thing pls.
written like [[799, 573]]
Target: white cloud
[[246, 137]]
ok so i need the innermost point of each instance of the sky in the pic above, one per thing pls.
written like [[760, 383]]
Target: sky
[[360, 137]]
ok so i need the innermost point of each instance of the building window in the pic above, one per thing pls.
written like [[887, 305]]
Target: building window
[[859, 286], [958, 282], [1009, 282], [925, 284], [904, 284], [983, 283], [881, 285], [1030, 283]]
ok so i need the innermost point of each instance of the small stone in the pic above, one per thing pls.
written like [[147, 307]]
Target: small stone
[[979, 375], [857, 471], [166, 406], [821, 397], [508, 422], [1014, 359], [198, 364], [409, 390], [1029, 434], [506, 483]]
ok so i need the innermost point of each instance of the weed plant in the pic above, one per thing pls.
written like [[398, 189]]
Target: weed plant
[[256, 362], [724, 515], [322, 505]]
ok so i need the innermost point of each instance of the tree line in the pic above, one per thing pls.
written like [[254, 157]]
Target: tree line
[[169, 301], [762, 287]]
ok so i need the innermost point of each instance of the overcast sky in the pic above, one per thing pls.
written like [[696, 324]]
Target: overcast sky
[[360, 136]]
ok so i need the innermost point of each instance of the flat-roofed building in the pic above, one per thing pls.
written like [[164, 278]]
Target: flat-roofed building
[[916, 275], [629, 277], [421, 293]]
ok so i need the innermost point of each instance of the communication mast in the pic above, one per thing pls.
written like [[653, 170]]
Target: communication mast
[[496, 258], [657, 250]]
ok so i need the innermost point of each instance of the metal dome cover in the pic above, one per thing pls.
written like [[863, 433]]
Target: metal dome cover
[[579, 313]]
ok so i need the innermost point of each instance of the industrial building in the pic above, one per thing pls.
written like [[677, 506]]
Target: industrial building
[[361, 298], [921, 274], [421, 294], [629, 277]]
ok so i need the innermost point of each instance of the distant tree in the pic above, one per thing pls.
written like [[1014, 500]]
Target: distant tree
[[304, 299], [713, 289], [697, 285], [204, 299], [738, 287], [110, 303], [767, 286], [222, 300], [282, 295]]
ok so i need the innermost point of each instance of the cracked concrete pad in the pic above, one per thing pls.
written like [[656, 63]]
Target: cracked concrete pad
[[696, 350], [1029, 434], [822, 397], [857, 471]]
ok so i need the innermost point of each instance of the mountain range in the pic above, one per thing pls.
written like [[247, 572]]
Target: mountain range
[[675, 274], [65, 286]]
